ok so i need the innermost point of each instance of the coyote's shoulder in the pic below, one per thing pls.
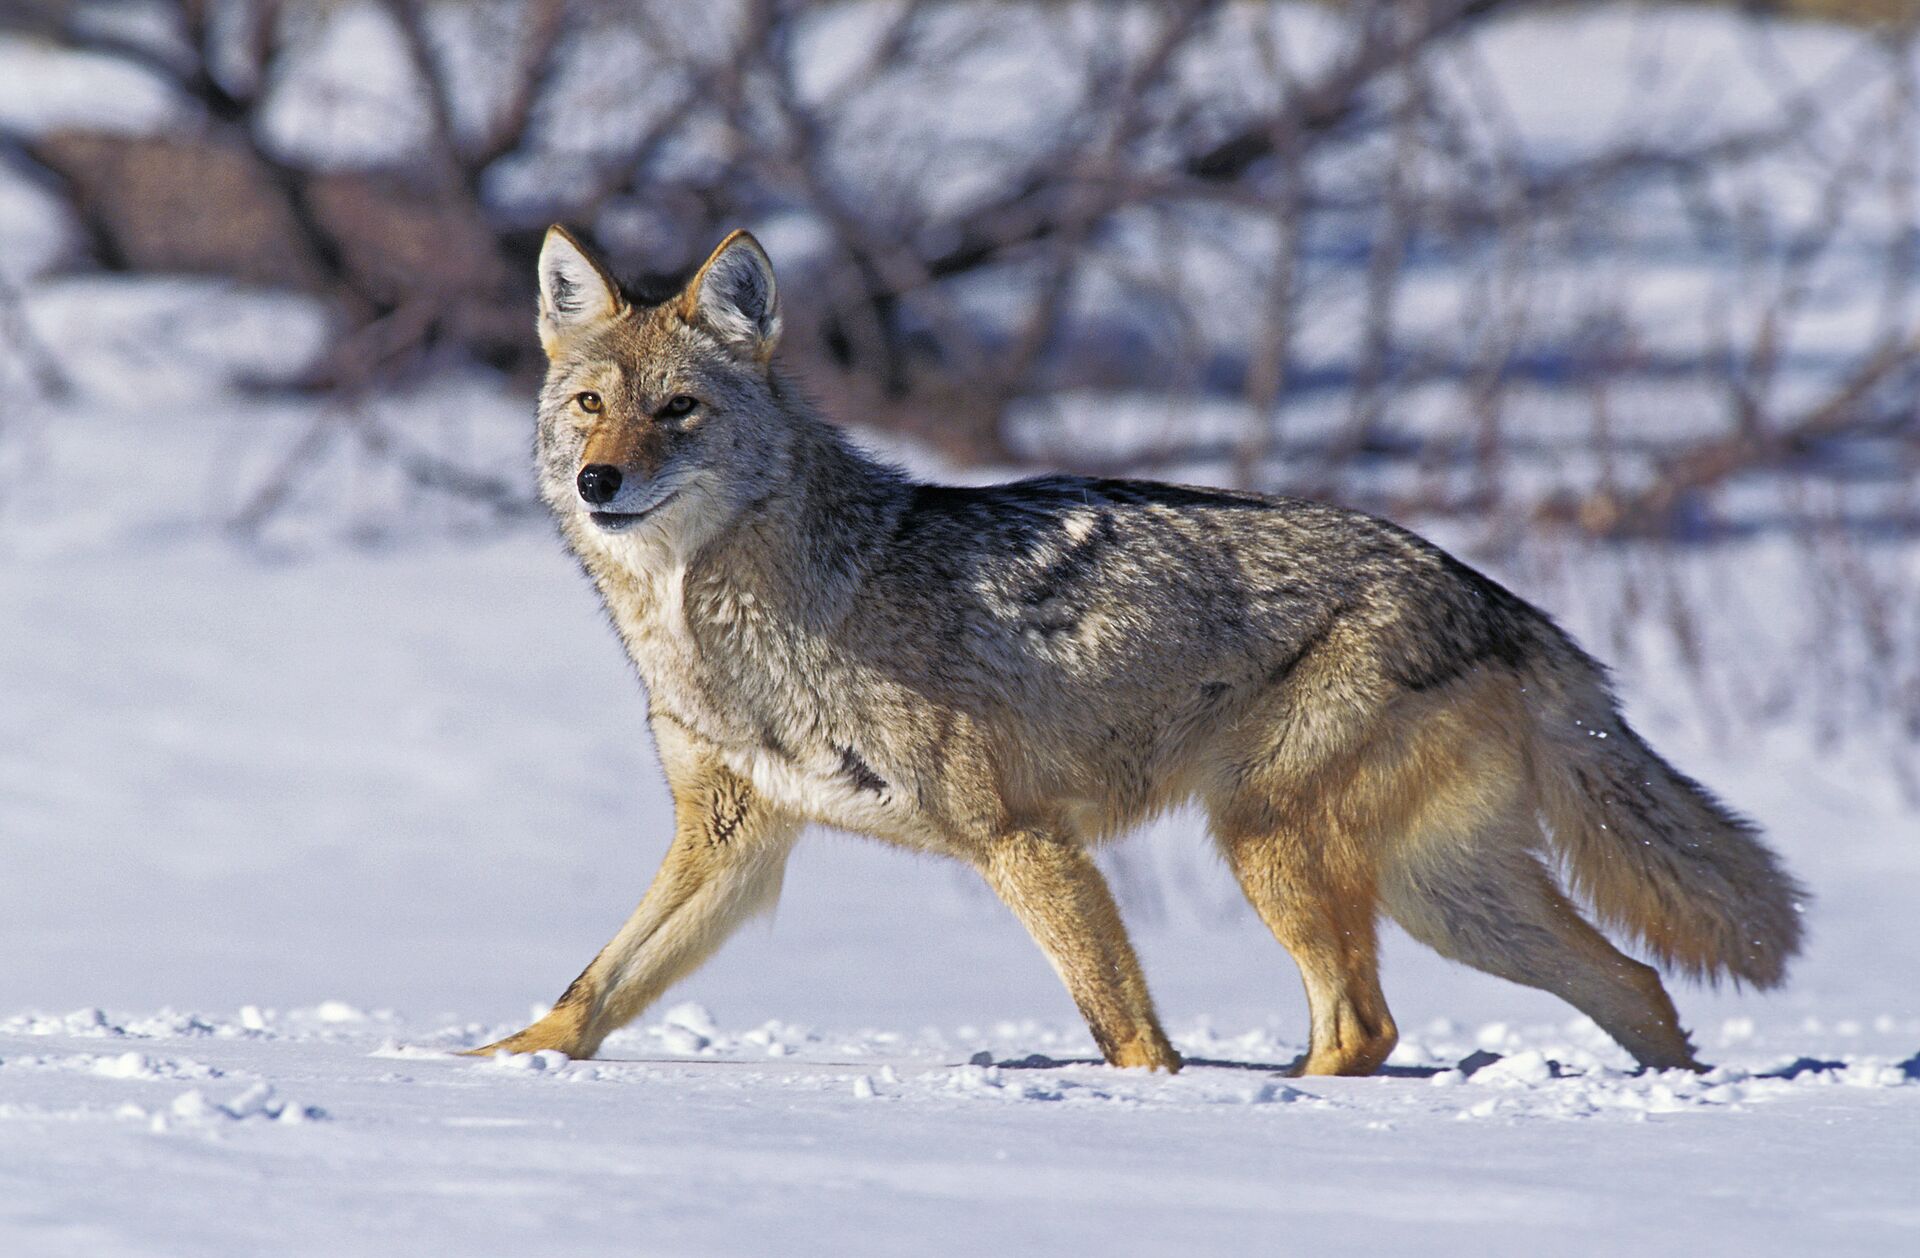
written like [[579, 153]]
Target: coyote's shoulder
[[1008, 674]]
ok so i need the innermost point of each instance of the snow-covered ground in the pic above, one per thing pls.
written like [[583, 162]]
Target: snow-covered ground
[[282, 827]]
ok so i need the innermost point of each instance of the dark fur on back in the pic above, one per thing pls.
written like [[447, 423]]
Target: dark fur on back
[[1262, 577]]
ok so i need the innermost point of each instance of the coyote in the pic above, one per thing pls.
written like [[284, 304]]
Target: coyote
[[1010, 675]]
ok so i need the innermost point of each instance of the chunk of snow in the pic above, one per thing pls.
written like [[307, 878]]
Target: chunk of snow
[[694, 1017], [44, 88]]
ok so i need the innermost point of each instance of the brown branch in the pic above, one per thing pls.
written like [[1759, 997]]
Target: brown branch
[[410, 17], [541, 26], [1716, 461]]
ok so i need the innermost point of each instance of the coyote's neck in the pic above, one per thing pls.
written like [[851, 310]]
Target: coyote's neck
[[804, 549]]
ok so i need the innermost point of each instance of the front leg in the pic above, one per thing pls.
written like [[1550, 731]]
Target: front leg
[[729, 852], [1057, 892]]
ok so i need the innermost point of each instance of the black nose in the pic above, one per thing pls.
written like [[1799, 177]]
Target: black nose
[[599, 482]]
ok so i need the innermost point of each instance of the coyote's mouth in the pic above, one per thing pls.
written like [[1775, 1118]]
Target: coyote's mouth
[[621, 521]]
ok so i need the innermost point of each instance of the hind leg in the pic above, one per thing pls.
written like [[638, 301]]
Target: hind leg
[[1492, 905], [1321, 909]]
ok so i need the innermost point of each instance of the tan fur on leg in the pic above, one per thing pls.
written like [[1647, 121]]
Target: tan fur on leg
[[1058, 894], [725, 864], [1327, 923]]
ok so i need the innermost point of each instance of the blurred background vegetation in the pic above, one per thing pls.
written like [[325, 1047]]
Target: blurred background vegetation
[[993, 217], [1582, 287]]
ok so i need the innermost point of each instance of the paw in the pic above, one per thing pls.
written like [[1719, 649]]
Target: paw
[[524, 1043], [1348, 1059], [548, 1034], [1149, 1052]]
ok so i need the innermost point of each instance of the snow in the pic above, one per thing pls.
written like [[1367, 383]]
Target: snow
[[349, 101], [170, 339], [49, 88], [35, 229], [307, 1140], [1619, 73]]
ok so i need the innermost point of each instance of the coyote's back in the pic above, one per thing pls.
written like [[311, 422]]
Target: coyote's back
[[1010, 674]]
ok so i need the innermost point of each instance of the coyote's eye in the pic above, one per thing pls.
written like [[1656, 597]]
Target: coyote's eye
[[678, 407], [588, 402]]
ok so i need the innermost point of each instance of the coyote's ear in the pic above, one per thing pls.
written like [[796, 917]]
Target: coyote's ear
[[733, 296], [575, 291]]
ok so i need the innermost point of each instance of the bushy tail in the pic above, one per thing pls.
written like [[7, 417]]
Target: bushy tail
[[1650, 848]]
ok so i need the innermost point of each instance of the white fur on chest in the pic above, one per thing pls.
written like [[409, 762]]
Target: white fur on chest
[[818, 788], [813, 781]]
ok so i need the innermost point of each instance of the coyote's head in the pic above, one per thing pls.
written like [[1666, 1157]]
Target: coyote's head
[[658, 423]]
